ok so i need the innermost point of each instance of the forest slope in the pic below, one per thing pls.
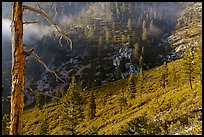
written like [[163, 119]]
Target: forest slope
[[169, 106], [164, 101]]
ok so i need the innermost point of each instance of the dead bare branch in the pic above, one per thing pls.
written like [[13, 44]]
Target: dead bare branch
[[41, 12], [30, 22], [42, 93], [38, 59], [60, 40]]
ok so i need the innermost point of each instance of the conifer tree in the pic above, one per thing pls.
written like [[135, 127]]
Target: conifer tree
[[123, 10], [144, 24], [57, 93], [151, 25], [123, 38], [86, 31], [174, 76], [80, 88], [135, 53], [90, 33], [131, 87], [118, 73], [113, 26], [107, 36], [134, 37], [178, 24], [139, 21], [122, 102], [99, 49], [141, 79], [91, 106], [63, 92], [198, 63], [189, 65], [164, 75], [129, 39], [45, 99], [140, 62], [100, 40], [44, 127], [37, 100], [144, 34], [141, 74], [72, 111], [129, 24], [117, 9], [142, 52]]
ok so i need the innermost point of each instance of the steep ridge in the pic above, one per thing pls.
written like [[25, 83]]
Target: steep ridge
[[171, 106], [154, 110]]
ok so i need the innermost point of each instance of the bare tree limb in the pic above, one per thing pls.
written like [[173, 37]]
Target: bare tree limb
[[38, 59], [30, 22], [60, 40], [50, 95], [30, 89], [38, 5], [42, 93], [42, 13]]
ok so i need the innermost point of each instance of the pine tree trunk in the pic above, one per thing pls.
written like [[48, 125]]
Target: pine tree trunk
[[190, 81], [18, 71]]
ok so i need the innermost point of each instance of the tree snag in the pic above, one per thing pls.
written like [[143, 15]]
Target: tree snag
[[18, 70], [19, 62]]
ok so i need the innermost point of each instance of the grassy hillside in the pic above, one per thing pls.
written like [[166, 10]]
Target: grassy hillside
[[154, 110], [169, 108]]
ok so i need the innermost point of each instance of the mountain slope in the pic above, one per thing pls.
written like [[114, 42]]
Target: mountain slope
[[189, 28], [170, 105], [86, 22], [154, 110]]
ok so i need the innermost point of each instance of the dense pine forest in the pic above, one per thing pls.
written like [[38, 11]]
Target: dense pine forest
[[102, 68]]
